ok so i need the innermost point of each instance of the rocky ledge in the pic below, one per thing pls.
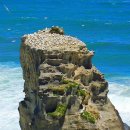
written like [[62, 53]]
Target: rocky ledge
[[63, 90]]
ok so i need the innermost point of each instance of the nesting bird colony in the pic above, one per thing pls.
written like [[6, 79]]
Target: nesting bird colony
[[47, 41]]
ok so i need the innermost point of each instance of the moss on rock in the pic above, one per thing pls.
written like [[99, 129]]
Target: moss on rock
[[82, 93], [88, 116], [58, 89], [59, 112], [64, 87]]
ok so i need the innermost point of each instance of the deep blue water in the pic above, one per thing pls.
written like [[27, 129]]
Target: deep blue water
[[104, 25]]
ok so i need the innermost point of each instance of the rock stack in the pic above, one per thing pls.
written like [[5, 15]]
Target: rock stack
[[63, 90]]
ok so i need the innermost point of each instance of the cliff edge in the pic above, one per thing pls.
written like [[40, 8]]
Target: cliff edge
[[63, 90]]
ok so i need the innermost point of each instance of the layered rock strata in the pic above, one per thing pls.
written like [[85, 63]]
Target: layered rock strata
[[63, 90]]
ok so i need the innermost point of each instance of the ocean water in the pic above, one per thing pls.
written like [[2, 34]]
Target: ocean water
[[104, 25]]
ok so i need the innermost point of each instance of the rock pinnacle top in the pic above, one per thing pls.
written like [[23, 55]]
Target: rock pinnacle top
[[52, 39]]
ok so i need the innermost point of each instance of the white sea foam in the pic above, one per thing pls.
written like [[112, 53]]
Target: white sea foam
[[45, 18], [25, 18], [13, 41], [82, 25], [9, 29], [120, 96], [108, 23], [11, 86]]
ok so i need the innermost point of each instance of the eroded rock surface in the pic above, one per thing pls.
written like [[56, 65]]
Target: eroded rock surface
[[63, 90]]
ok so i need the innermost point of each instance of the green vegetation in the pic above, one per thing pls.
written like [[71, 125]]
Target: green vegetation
[[58, 89], [59, 112], [88, 116], [65, 81], [82, 93], [96, 114], [81, 47], [61, 89], [71, 84]]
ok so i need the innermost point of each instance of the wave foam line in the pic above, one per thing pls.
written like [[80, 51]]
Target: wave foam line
[[11, 86], [120, 96]]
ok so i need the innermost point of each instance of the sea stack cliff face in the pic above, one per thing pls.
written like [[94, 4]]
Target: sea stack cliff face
[[63, 90]]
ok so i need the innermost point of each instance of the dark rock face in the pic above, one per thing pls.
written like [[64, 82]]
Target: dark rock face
[[126, 127], [63, 91]]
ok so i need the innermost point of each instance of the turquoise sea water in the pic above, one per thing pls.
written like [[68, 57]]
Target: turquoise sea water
[[104, 25]]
